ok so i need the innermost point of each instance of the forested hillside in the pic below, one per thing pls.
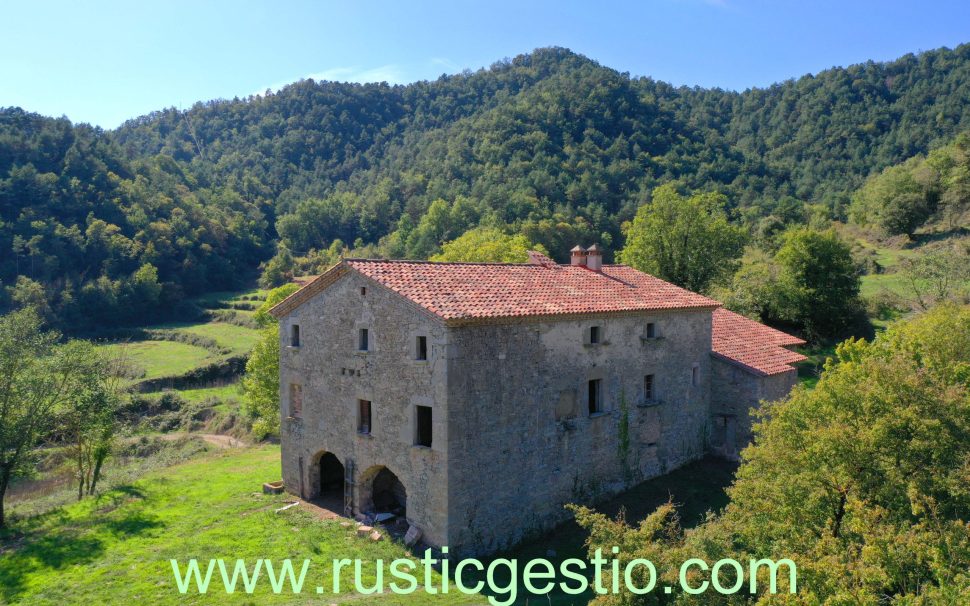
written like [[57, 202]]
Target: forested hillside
[[550, 145]]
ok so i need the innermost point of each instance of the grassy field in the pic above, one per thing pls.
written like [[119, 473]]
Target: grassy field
[[225, 392], [161, 358], [238, 340], [116, 549]]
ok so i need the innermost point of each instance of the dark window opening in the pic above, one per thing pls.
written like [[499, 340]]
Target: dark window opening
[[422, 350], [651, 330], [363, 341], [594, 334], [595, 396], [423, 437], [648, 387], [694, 375], [295, 335], [296, 399], [363, 290], [363, 416]]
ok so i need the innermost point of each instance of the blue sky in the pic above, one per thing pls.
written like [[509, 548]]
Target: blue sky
[[103, 62]]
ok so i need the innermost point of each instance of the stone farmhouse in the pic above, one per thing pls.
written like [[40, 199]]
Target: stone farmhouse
[[475, 399]]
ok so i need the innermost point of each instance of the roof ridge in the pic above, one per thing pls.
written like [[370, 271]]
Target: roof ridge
[[474, 263]]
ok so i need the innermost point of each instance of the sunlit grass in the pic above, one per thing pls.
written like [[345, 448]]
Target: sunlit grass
[[116, 549], [160, 358]]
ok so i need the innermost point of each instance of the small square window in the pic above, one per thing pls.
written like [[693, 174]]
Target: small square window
[[422, 426], [695, 375], [363, 340], [595, 396], [421, 348], [594, 334], [295, 335], [648, 393], [296, 400], [651, 330], [363, 417]]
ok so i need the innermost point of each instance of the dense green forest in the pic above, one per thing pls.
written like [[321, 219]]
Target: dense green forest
[[99, 227]]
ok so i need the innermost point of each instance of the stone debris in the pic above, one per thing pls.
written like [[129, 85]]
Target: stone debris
[[375, 536], [363, 531], [412, 536]]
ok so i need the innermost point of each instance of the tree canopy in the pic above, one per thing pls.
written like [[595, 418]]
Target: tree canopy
[[685, 240], [861, 481], [103, 227]]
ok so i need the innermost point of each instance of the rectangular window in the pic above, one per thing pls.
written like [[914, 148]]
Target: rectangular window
[[695, 374], [363, 291], [421, 349], [423, 426], [651, 330], [363, 417], [648, 387], [595, 396], [594, 334], [295, 335], [296, 400], [363, 340]]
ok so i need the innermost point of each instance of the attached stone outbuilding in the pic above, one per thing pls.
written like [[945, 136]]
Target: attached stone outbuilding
[[751, 364]]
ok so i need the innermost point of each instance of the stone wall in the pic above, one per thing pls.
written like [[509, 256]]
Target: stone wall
[[734, 393], [334, 376], [525, 443]]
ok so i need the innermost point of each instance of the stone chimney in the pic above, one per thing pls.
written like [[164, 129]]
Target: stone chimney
[[577, 256], [594, 258]]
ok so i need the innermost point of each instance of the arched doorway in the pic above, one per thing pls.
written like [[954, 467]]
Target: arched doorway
[[327, 481], [383, 492]]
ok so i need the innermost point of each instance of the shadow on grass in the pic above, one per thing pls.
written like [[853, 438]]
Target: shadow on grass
[[55, 540]]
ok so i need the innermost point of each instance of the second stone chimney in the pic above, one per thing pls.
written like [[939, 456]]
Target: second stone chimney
[[594, 258], [577, 255]]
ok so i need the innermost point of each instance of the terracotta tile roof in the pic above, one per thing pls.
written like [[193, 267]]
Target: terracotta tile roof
[[754, 346], [460, 291], [477, 291]]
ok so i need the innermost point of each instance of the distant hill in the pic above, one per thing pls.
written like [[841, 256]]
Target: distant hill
[[550, 144]]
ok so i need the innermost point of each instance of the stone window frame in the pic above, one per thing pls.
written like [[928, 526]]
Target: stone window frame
[[418, 349], [605, 403], [600, 331], [371, 338], [416, 442], [595, 405], [370, 417], [294, 400], [294, 335], [652, 398]]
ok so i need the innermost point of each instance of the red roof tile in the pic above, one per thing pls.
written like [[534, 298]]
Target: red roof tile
[[458, 291], [755, 346], [467, 291]]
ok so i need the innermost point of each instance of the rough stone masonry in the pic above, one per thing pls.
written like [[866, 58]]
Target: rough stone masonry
[[474, 400]]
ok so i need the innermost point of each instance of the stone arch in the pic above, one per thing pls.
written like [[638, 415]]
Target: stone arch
[[326, 476], [381, 491]]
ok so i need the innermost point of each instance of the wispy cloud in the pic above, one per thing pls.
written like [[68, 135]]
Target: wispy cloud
[[448, 64], [392, 74]]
